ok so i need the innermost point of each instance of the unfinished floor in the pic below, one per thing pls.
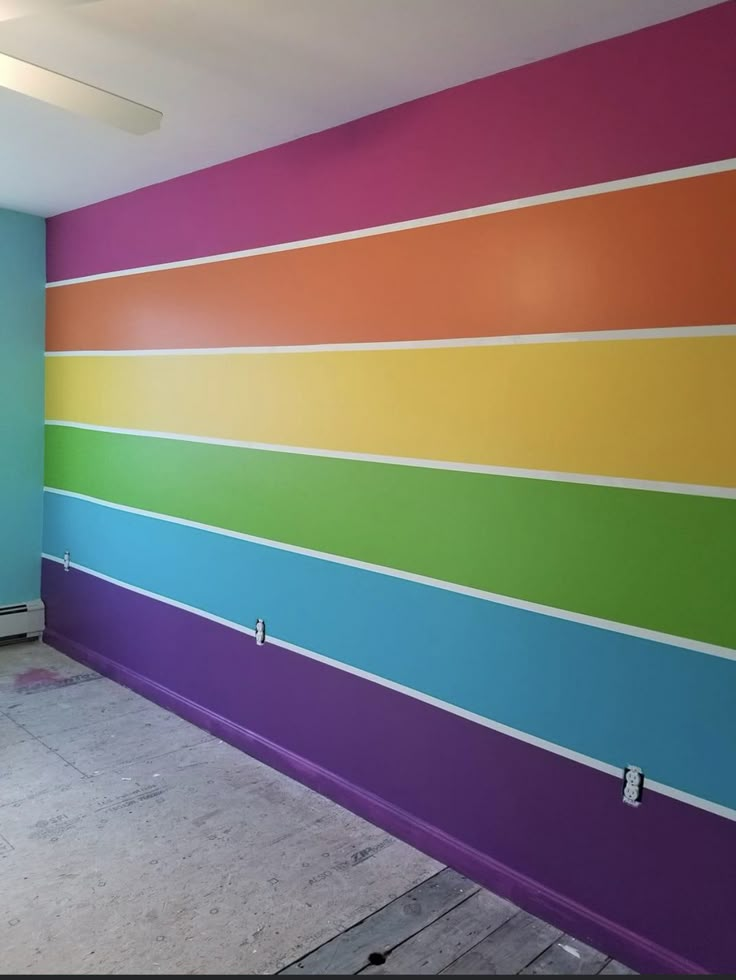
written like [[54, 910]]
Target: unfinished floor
[[133, 842]]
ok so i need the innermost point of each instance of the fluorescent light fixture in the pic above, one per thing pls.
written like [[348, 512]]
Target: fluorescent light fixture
[[13, 9], [74, 96]]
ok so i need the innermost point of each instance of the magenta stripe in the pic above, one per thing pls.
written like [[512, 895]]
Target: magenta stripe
[[657, 99], [550, 833]]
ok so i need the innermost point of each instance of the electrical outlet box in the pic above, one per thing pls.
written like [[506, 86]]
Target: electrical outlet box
[[633, 785]]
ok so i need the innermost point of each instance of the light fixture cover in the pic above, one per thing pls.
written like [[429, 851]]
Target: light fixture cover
[[75, 96]]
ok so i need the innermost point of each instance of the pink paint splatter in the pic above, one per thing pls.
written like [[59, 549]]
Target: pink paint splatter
[[37, 675]]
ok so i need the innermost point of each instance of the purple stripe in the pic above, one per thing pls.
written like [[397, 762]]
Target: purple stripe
[[653, 100], [650, 886]]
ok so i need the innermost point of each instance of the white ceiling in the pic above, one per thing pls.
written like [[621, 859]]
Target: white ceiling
[[234, 76]]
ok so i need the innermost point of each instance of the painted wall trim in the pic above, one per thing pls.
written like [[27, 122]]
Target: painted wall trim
[[645, 333], [607, 187], [660, 486], [531, 895], [578, 757]]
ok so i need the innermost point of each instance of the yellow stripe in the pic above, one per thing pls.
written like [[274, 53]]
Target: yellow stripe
[[652, 409]]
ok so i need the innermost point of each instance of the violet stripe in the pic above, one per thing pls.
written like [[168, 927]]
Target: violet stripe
[[478, 790], [654, 100]]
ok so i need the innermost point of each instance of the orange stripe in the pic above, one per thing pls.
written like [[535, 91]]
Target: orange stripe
[[652, 256]]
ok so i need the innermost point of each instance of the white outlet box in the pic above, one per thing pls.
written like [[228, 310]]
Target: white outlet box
[[633, 785]]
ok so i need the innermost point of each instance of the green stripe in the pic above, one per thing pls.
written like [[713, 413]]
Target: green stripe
[[657, 560]]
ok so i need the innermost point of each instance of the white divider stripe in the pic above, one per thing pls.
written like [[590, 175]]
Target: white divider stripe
[[696, 646], [508, 340], [592, 763], [627, 483], [589, 190]]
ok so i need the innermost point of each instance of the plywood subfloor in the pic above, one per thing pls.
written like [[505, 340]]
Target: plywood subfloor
[[134, 842]]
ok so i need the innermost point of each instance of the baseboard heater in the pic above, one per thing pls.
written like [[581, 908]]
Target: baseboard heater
[[22, 622]]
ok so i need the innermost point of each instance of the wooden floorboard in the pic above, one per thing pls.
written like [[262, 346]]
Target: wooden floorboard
[[614, 968], [446, 939], [449, 926], [507, 950], [381, 932], [567, 957]]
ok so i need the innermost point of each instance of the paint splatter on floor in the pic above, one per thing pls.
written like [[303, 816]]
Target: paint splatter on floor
[[37, 677], [43, 679]]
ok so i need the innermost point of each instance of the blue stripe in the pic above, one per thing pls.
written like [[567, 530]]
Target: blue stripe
[[617, 698]]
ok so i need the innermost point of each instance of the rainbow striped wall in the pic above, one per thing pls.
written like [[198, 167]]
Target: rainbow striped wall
[[446, 396]]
